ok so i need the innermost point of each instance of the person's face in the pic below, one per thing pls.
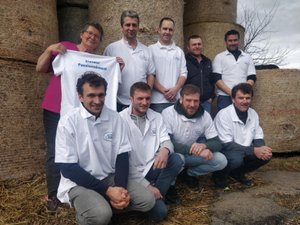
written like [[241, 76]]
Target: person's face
[[190, 103], [93, 98], [130, 28], [195, 47], [90, 38], [166, 31], [140, 102], [242, 101], [232, 42]]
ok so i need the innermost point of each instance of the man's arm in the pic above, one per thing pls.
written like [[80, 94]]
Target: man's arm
[[44, 61], [251, 79], [223, 87], [150, 80]]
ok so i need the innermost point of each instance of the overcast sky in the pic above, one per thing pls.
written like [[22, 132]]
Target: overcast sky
[[286, 26]]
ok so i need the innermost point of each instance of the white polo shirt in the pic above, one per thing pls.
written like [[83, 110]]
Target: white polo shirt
[[233, 71], [72, 64], [138, 65], [231, 128], [145, 145], [169, 64], [92, 143], [187, 131]]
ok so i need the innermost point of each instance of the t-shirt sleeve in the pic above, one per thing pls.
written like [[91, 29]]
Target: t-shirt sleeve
[[58, 64], [251, 68], [151, 66], [217, 68], [183, 69], [223, 128]]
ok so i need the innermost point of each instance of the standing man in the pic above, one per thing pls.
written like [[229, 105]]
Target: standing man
[[243, 139], [152, 150], [90, 36], [92, 150], [200, 71], [186, 122], [170, 67], [137, 58], [232, 67]]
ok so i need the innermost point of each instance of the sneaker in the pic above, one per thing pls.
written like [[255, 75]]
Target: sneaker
[[53, 203], [220, 183], [172, 196], [242, 179]]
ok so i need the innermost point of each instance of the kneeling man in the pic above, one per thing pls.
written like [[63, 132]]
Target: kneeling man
[[153, 152], [188, 124]]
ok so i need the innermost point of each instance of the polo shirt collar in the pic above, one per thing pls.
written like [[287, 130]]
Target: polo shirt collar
[[87, 115], [235, 117], [229, 53], [138, 45], [169, 47], [149, 115]]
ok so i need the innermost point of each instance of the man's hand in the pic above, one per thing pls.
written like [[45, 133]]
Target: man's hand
[[197, 148], [263, 152], [118, 196], [155, 191], [161, 159], [170, 94], [121, 63]]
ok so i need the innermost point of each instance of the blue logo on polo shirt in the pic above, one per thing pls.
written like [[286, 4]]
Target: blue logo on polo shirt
[[108, 136]]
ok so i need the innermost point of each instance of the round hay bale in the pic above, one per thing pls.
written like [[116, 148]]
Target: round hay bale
[[71, 20], [277, 101], [108, 13], [196, 11], [27, 28], [212, 34], [21, 133]]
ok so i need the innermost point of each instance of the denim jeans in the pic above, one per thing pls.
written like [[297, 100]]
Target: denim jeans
[[197, 166], [50, 120], [223, 101], [162, 179], [159, 107], [206, 105]]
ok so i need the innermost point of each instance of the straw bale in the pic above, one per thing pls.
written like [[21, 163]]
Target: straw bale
[[196, 11], [21, 133], [27, 28], [71, 20], [151, 11], [277, 101], [212, 34]]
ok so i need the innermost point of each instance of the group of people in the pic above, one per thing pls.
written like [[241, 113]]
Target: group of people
[[103, 161]]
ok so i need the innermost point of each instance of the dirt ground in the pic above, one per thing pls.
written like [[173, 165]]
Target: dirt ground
[[274, 200]]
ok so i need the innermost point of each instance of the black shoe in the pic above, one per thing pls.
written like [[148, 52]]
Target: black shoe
[[220, 183], [53, 203], [242, 179], [172, 196]]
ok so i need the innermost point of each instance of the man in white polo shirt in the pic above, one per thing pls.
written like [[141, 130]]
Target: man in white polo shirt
[[170, 67], [243, 144], [187, 122], [137, 58], [92, 151], [231, 67], [152, 150]]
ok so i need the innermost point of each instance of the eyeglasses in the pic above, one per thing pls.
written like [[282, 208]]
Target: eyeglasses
[[91, 34]]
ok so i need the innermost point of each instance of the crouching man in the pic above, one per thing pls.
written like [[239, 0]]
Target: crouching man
[[92, 150], [152, 150]]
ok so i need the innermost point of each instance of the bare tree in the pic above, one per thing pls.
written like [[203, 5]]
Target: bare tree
[[257, 36]]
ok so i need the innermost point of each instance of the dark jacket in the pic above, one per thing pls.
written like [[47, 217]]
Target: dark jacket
[[200, 74]]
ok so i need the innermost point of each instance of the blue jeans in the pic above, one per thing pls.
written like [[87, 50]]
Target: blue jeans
[[162, 179], [159, 107], [197, 166], [223, 101], [50, 120], [206, 105]]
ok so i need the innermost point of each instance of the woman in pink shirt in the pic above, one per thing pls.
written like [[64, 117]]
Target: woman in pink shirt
[[90, 37]]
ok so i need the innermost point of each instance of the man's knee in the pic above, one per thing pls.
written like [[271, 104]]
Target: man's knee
[[159, 211], [175, 162], [98, 215], [220, 161]]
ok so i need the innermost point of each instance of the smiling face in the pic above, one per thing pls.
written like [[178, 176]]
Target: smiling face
[[166, 31], [190, 103], [130, 28], [140, 102], [242, 101], [90, 39], [195, 47], [232, 42], [93, 98]]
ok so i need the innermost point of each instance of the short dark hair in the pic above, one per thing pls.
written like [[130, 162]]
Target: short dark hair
[[189, 89], [129, 13], [166, 18], [142, 86], [231, 32], [245, 88], [93, 79], [95, 25], [194, 36]]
